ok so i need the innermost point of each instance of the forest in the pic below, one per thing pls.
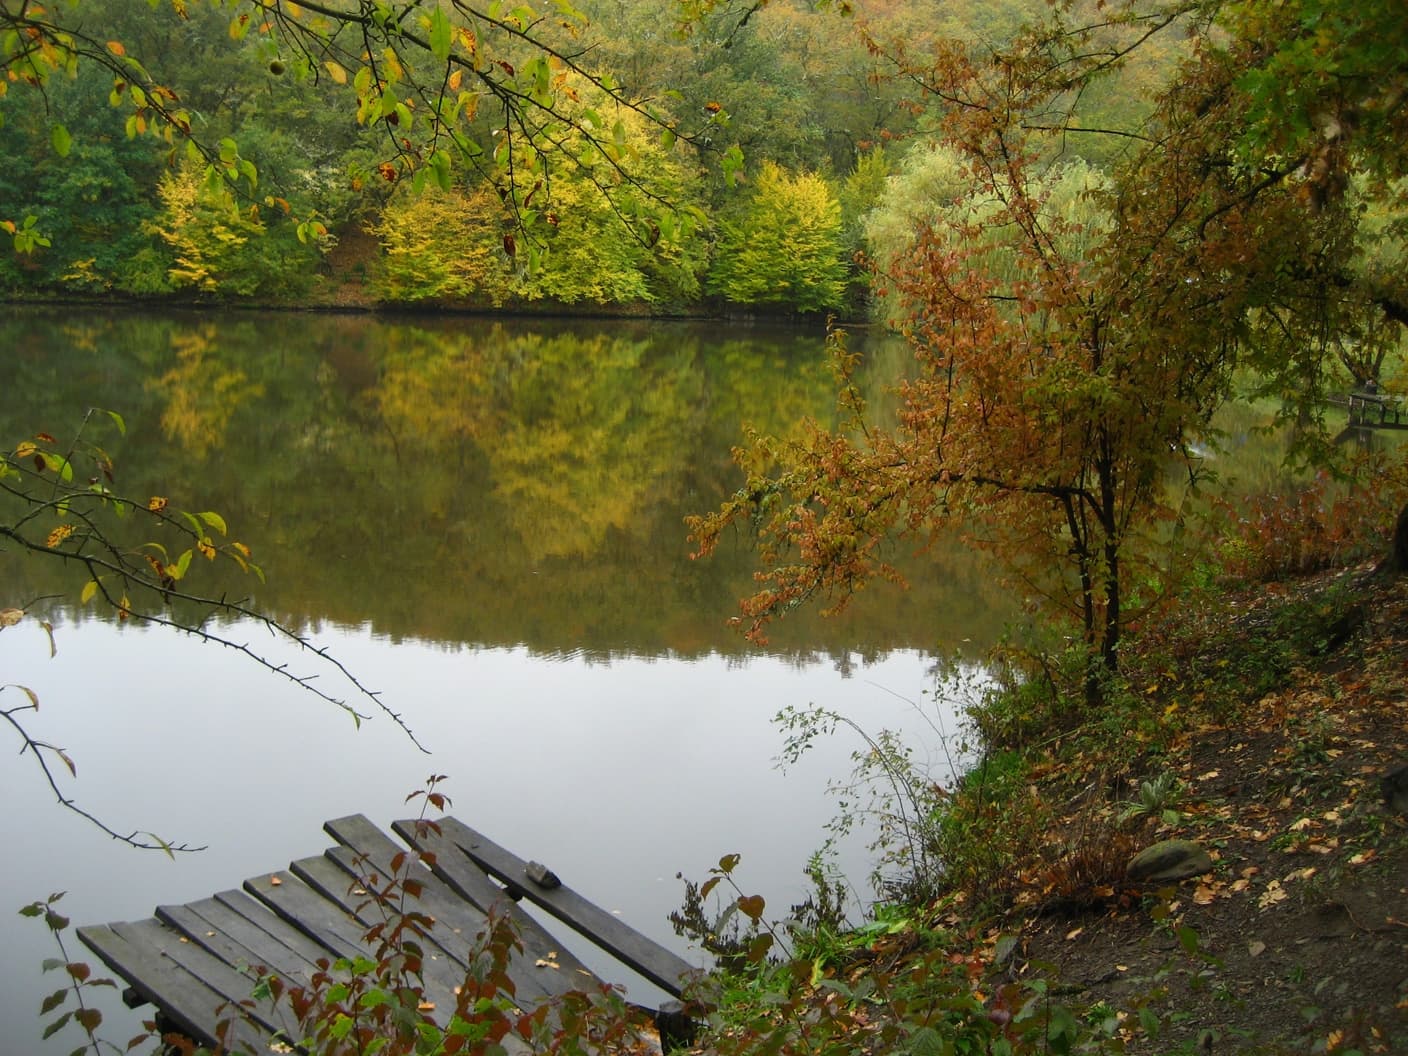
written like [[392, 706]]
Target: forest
[[802, 152], [1096, 225]]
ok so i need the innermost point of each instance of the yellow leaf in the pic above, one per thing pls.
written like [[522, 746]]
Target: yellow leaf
[[89, 589], [10, 617], [58, 535], [115, 46], [206, 549], [156, 504], [1274, 893], [336, 72]]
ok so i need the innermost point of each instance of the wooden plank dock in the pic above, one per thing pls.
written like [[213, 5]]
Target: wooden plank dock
[[1374, 410], [197, 962]]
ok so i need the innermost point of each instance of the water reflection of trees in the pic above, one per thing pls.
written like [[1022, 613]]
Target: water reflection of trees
[[471, 481]]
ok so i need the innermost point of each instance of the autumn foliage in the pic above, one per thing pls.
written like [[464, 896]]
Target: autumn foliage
[[1072, 332]]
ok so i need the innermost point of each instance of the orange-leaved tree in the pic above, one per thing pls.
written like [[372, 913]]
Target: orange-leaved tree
[[1073, 331]]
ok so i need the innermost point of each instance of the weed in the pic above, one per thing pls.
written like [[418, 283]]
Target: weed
[[1156, 798]]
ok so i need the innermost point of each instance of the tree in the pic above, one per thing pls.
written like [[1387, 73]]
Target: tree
[[443, 246], [783, 246], [1072, 336], [219, 248], [445, 87]]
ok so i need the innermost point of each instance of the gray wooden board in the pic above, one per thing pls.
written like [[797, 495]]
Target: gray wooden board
[[194, 961], [235, 941], [308, 912], [259, 916], [457, 926], [233, 986], [364, 850], [240, 907], [463, 922], [662, 967], [441, 974], [468, 880], [188, 1002]]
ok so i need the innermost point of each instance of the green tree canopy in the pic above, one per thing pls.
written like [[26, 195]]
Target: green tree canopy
[[783, 245]]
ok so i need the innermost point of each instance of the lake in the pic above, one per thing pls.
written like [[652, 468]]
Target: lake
[[483, 520]]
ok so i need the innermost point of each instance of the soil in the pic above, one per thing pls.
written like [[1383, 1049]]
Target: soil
[[1299, 935]]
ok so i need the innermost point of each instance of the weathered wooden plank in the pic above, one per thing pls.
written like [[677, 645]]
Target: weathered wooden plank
[[308, 912], [364, 849], [458, 925], [237, 942], [662, 967], [441, 974], [469, 881], [237, 907], [454, 914], [195, 961], [190, 1005], [259, 916], [232, 985]]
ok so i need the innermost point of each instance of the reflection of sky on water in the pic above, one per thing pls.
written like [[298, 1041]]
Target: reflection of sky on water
[[618, 775]]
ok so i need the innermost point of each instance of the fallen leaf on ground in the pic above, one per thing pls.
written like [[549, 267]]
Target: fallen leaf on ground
[[1274, 893]]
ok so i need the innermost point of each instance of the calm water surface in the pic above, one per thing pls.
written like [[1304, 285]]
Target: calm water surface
[[484, 521]]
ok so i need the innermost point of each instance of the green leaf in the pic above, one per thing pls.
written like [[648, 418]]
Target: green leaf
[[1149, 1020], [62, 141], [1188, 939], [214, 520], [926, 1041], [56, 1026], [441, 35]]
